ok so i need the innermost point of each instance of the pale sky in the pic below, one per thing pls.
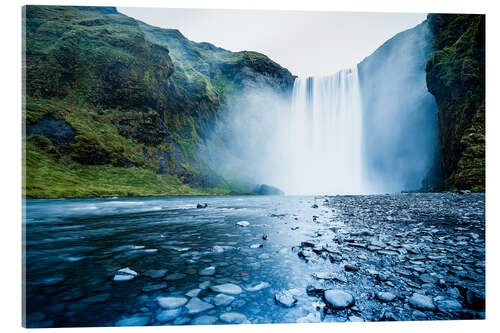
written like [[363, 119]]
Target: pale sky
[[306, 43]]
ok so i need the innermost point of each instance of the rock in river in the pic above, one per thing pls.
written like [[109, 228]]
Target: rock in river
[[175, 277], [234, 318], [124, 274], [422, 302], [209, 271], [135, 320], [285, 298], [168, 315], [204, 320], [155, 273], [257, 287], [338, 299], [196, 305], [227, 288], [171, 302], [223, 300]]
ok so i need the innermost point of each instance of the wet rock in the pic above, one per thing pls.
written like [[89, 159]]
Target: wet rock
[[227, 288], [168, 315], [181, 320], [356, 319], [196, 305], [385, 296], [155, 273], [285, 298], [209, 271], [204, 320], [223, 300], [351, 268], [234, 318], [338, 299], [124, 274], [427, 278], [239, 303], [204, 205], [314, 206], [363, 233], [154, 287], [257, 287], [193, 292], [315, 290], [135, 320], [175, 277], [264, 237], [171, 302], [204, 285], [387, 316], [243, 223], [448, 305], [422, 302], [256, 246]]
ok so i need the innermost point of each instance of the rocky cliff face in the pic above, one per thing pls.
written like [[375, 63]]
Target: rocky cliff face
[[456, 77], [132, 103]]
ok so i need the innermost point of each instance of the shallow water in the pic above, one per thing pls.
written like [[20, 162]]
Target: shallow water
[[74, 248]]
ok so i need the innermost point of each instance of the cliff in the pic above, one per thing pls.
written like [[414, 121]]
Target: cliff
[[456, 77], [117, 107]]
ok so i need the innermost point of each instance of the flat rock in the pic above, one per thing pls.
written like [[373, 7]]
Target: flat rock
[[227, 288], [234, 318], [338, 299], [243, 223], [154, 287], [135, 320], [171, 302], [384, 296], [196, 305], [422, 302], [223, 300], [193, 292], [155, 273], [204, 320], [168, 315], [204, 285], [175, 277], [124, 274], [448, 305], [257, 287], [285, 298], [209, 271]]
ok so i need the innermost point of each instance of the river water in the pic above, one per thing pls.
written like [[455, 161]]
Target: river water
[[75, 247]]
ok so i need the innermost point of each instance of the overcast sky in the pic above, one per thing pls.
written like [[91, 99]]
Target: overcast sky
[[306, 43]]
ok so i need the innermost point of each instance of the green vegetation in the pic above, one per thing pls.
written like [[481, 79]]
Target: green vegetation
[[456, 77], [138, 98]]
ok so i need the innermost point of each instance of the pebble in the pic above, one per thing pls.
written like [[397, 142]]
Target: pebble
[[196, 305], [338, 299], [234, 318], [223, 300], [285, 298], [448, 305], [168, 315], [422, 302], [385, 296], [204, 320], [171, 302], [209, 271], [227, 288]]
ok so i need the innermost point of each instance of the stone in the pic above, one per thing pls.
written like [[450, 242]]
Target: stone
[[448, 305], [199, 205], [356, 319], [256, 246], [422, 302], [234, 318], [154, 287], [338, 299], [227, 288], [168, 315], [171, 302], [351, 268], [193, 292], [175, 277], [385, 296], [257, 287], [204, 320], [196, 305], [243, 223], [285, 298], [209, 271], [135, 320], [124, 274], [313, 317], [181, 320], [155, 273], [223, 300]]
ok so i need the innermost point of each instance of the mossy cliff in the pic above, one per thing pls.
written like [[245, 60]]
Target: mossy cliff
[[117, 107], [456, 77]]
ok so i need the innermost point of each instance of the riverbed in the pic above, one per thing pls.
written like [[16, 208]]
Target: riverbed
[[253, 259]]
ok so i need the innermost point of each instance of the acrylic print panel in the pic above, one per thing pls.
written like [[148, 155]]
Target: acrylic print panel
[[181, 171]]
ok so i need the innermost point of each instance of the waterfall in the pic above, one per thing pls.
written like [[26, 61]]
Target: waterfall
[[325, 135]]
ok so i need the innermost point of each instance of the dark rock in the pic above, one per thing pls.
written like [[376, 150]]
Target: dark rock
[[205, 205]]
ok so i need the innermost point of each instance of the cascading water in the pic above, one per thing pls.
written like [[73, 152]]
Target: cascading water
[[325, 137]]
